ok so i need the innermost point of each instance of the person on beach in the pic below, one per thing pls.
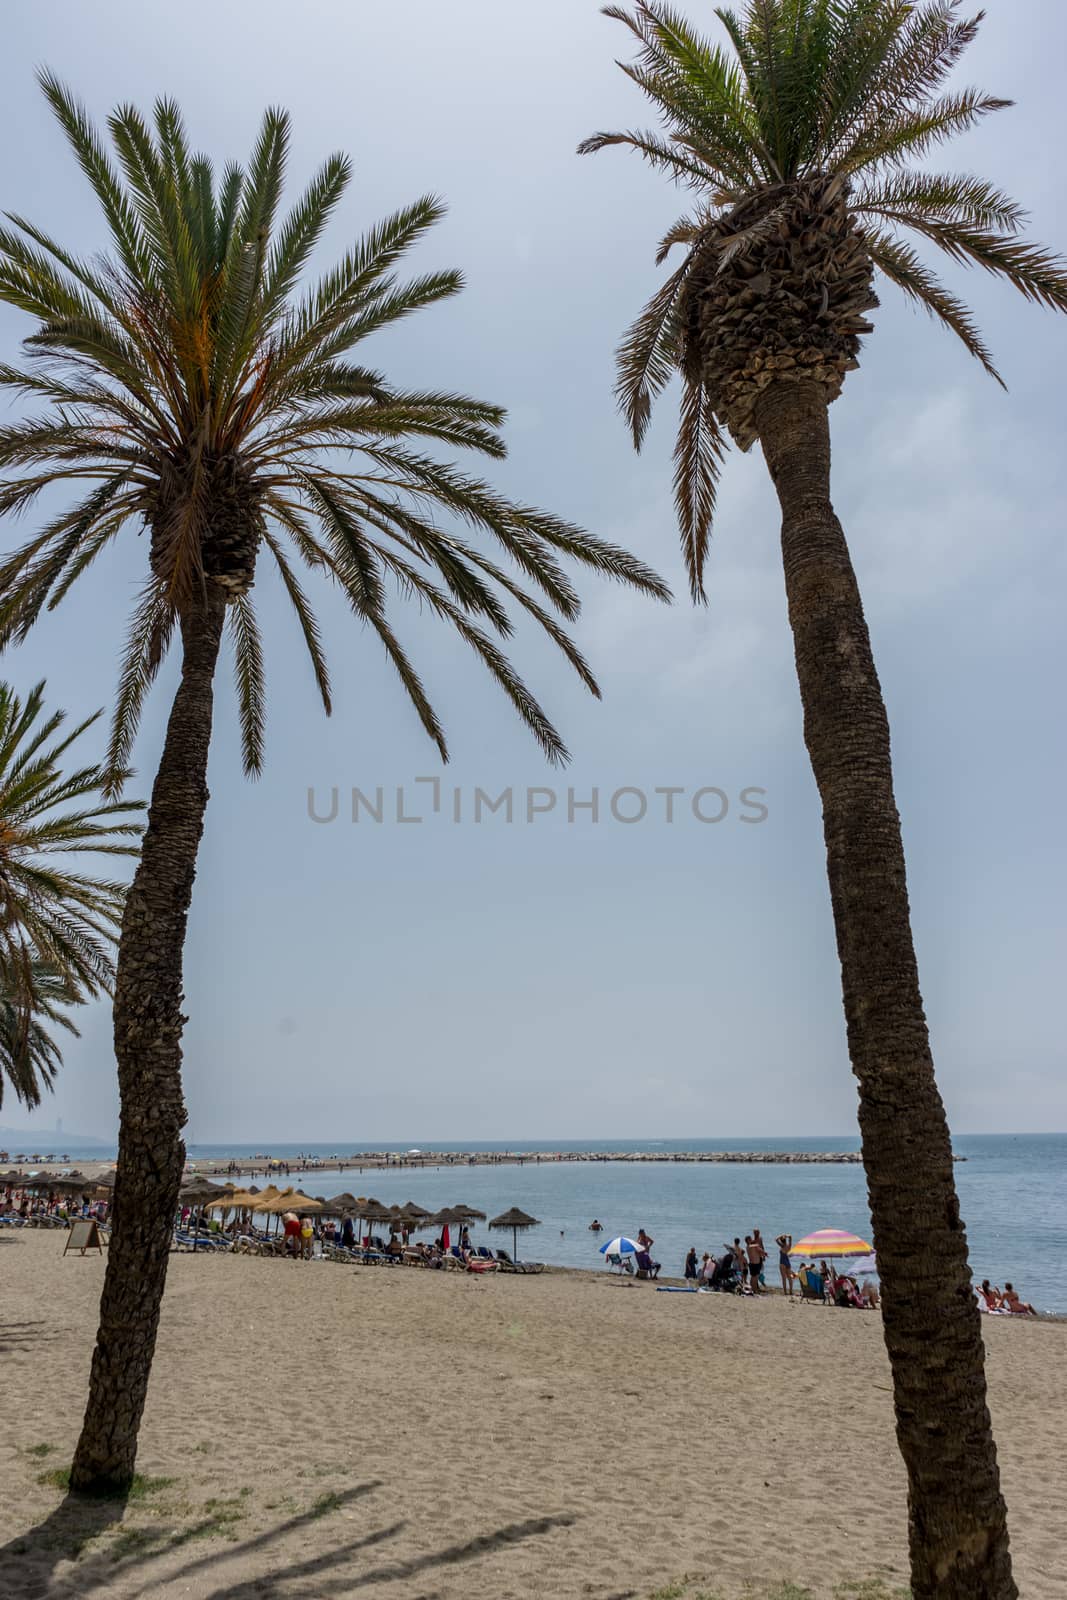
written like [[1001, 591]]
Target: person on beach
[[990, 1298], [756, 1253], [691, 1262], [643, 1239], [291, 1229], [307, 1238], [740, 1260], [1013, 1303], [784, 1242]]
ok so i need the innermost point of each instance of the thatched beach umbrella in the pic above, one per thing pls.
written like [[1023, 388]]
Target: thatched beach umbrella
[[340, 1205], [287, 1200], [449, 1217], [198, 1193], [69, 1185], [515, 1220], [234, 1200]]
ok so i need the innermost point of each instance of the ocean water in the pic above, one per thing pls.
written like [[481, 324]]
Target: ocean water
[[1013, 1195]]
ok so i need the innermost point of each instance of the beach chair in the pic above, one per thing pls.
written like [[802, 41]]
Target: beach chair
[[646, 1267], [811, 1286], [623, 1265]]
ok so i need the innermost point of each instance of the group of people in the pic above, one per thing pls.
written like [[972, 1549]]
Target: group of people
[[1003, 1302], [740, 1267]]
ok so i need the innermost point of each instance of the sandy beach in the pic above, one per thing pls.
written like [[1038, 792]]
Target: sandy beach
[[319, 1430]]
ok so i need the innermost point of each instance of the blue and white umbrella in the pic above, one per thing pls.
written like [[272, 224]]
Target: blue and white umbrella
[[619, 1247], [864, 1267]]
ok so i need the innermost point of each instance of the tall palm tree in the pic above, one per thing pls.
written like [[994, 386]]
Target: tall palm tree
[[193, 390], [798, 148], [58, 923]]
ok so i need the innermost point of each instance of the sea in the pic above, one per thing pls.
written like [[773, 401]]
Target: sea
[[1012, 1187]]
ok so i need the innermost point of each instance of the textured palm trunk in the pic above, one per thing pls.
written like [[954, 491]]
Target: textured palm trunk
[[148, 1028], [957, 1520]]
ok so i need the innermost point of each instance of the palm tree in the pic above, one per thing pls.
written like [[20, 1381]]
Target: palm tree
[[193, 391], [31, 1002], [798, 148], [58, 923]]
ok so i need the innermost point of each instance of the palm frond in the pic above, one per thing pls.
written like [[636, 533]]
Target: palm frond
[[250, 682], [698, 454], [902, 266]]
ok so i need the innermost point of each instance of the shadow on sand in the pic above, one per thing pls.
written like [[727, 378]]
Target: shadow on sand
[[140, 1561]]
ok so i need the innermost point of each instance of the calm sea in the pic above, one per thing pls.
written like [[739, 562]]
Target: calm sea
[[1013, 1193]]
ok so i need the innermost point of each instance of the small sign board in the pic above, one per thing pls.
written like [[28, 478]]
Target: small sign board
[[84, 1235]]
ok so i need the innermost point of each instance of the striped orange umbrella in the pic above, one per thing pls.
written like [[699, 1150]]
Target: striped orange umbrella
[[831, 1243]]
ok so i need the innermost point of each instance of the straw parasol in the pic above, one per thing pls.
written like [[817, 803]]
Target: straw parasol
[[413, 1218], [287, 1200], [340, 1204], [450, 1217], [234, 1200], [201, 1191], [69, 1185], [515, 1220]]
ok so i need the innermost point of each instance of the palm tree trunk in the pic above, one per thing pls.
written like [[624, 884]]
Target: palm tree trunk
[[957, 1518], [148, 1029]]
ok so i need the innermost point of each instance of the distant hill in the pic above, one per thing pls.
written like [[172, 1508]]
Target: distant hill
[[42, 1139]]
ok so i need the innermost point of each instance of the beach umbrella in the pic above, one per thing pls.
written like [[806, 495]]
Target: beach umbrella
[[288, 1200], [233, 1200], [70, 1185], [446, 1219], [198, 1193], [620, 1247], [514, 1219], [865, 1267], [831, 1243], [415, 1218]]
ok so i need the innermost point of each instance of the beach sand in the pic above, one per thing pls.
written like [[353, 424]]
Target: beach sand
[[409, 1435]]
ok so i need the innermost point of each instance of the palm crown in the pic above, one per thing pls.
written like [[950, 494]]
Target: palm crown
[[58, 922], [191, 390], [798, 147]]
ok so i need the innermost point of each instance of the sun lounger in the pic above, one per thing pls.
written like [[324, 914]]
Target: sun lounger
[[510, 1265]]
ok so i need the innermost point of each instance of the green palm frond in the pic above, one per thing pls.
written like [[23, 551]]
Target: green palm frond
[[58, 922], [195, 388], [845, 93]]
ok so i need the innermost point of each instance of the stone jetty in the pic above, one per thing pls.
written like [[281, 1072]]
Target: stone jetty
[[372, 1160]]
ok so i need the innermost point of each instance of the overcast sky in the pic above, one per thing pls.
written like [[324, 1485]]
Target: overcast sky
[[443, 980]]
